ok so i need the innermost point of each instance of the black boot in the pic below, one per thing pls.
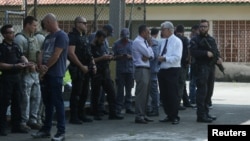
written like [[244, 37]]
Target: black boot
[[74, 118], [3, 132], [204, 119]]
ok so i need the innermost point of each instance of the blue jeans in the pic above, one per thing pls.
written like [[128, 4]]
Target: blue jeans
[[154, 97], [52, 98], [124, 80]]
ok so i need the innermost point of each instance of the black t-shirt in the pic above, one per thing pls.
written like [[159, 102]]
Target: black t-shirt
[[82, 46]]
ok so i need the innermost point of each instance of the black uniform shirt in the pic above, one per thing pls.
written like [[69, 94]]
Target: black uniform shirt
[[10, 54], [199, 52], [82, 46], [98, 51]]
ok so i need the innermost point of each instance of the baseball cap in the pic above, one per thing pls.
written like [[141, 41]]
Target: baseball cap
[[125, 33], [109, 29]]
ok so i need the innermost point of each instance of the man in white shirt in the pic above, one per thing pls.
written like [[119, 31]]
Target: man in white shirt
[[170, 63]]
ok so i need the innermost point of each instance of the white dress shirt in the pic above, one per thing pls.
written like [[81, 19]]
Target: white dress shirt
[[173, 54]]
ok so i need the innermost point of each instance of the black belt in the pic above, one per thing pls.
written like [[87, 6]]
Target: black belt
[[173, 68], [142, 67]]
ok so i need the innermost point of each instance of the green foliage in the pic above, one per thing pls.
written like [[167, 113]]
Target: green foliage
[[66, 78]]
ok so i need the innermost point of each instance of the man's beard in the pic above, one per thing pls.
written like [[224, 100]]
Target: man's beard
[[203, 33]]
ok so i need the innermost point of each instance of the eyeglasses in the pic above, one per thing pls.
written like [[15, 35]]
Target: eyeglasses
[[203, 26], [83, 23]]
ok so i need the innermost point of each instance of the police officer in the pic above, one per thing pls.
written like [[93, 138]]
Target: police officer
[[204, 68], [12, 61], [124, 71], [179, 32], [81, 65], [108, 30], [102, 78]]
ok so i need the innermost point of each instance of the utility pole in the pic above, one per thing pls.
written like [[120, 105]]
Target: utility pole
[[144, 12], [95, 16], [117, 16], [35, 8]]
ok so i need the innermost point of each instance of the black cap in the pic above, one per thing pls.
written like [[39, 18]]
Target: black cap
[[109, 29], [179, 28], [125, 33]]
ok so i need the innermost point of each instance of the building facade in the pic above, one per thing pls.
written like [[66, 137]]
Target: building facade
[[229, 19]]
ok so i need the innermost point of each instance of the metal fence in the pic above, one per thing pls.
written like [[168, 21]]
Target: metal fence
[[96, 13]]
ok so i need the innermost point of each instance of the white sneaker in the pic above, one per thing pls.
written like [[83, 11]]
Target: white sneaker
[[58, 137]]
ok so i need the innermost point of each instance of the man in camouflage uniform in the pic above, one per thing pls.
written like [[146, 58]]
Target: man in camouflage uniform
[[31, 87]]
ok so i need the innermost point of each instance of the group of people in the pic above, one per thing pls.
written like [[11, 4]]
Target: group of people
[[39, 63], [33, 67], [165, 62]]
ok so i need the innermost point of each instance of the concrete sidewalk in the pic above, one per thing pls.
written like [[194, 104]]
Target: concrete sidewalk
[[230, 104]]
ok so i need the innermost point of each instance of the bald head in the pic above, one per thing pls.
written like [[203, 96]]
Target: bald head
[[79, 19], [50, 22], [50, 17]]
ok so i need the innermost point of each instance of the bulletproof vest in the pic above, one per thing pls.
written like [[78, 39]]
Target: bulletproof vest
[[31, 47], [10, 55]]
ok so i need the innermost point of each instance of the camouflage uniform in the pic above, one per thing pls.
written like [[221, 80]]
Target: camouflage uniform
[[31, 97]]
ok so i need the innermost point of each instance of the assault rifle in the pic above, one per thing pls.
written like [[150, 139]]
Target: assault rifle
[[204, 43]]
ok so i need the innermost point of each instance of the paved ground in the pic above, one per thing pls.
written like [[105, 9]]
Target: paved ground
[[231, 106]]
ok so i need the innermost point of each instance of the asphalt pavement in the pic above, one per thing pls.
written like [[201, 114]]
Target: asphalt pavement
[[231, 105]]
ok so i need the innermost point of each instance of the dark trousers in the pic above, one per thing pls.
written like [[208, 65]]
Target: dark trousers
[[101, 101], [205, 85], [168, 84], [192, 85], [182, 82], [78, 97], [52, 98], [10, 92], [102, 79]]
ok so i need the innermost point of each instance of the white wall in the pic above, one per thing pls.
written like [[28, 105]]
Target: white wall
[[198, 12]]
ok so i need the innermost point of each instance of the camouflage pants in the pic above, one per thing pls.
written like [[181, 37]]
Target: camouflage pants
[[31, 97]]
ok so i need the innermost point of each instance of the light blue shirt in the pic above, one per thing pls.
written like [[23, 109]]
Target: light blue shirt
[[140, 49], [154, 67], [173, 54]]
